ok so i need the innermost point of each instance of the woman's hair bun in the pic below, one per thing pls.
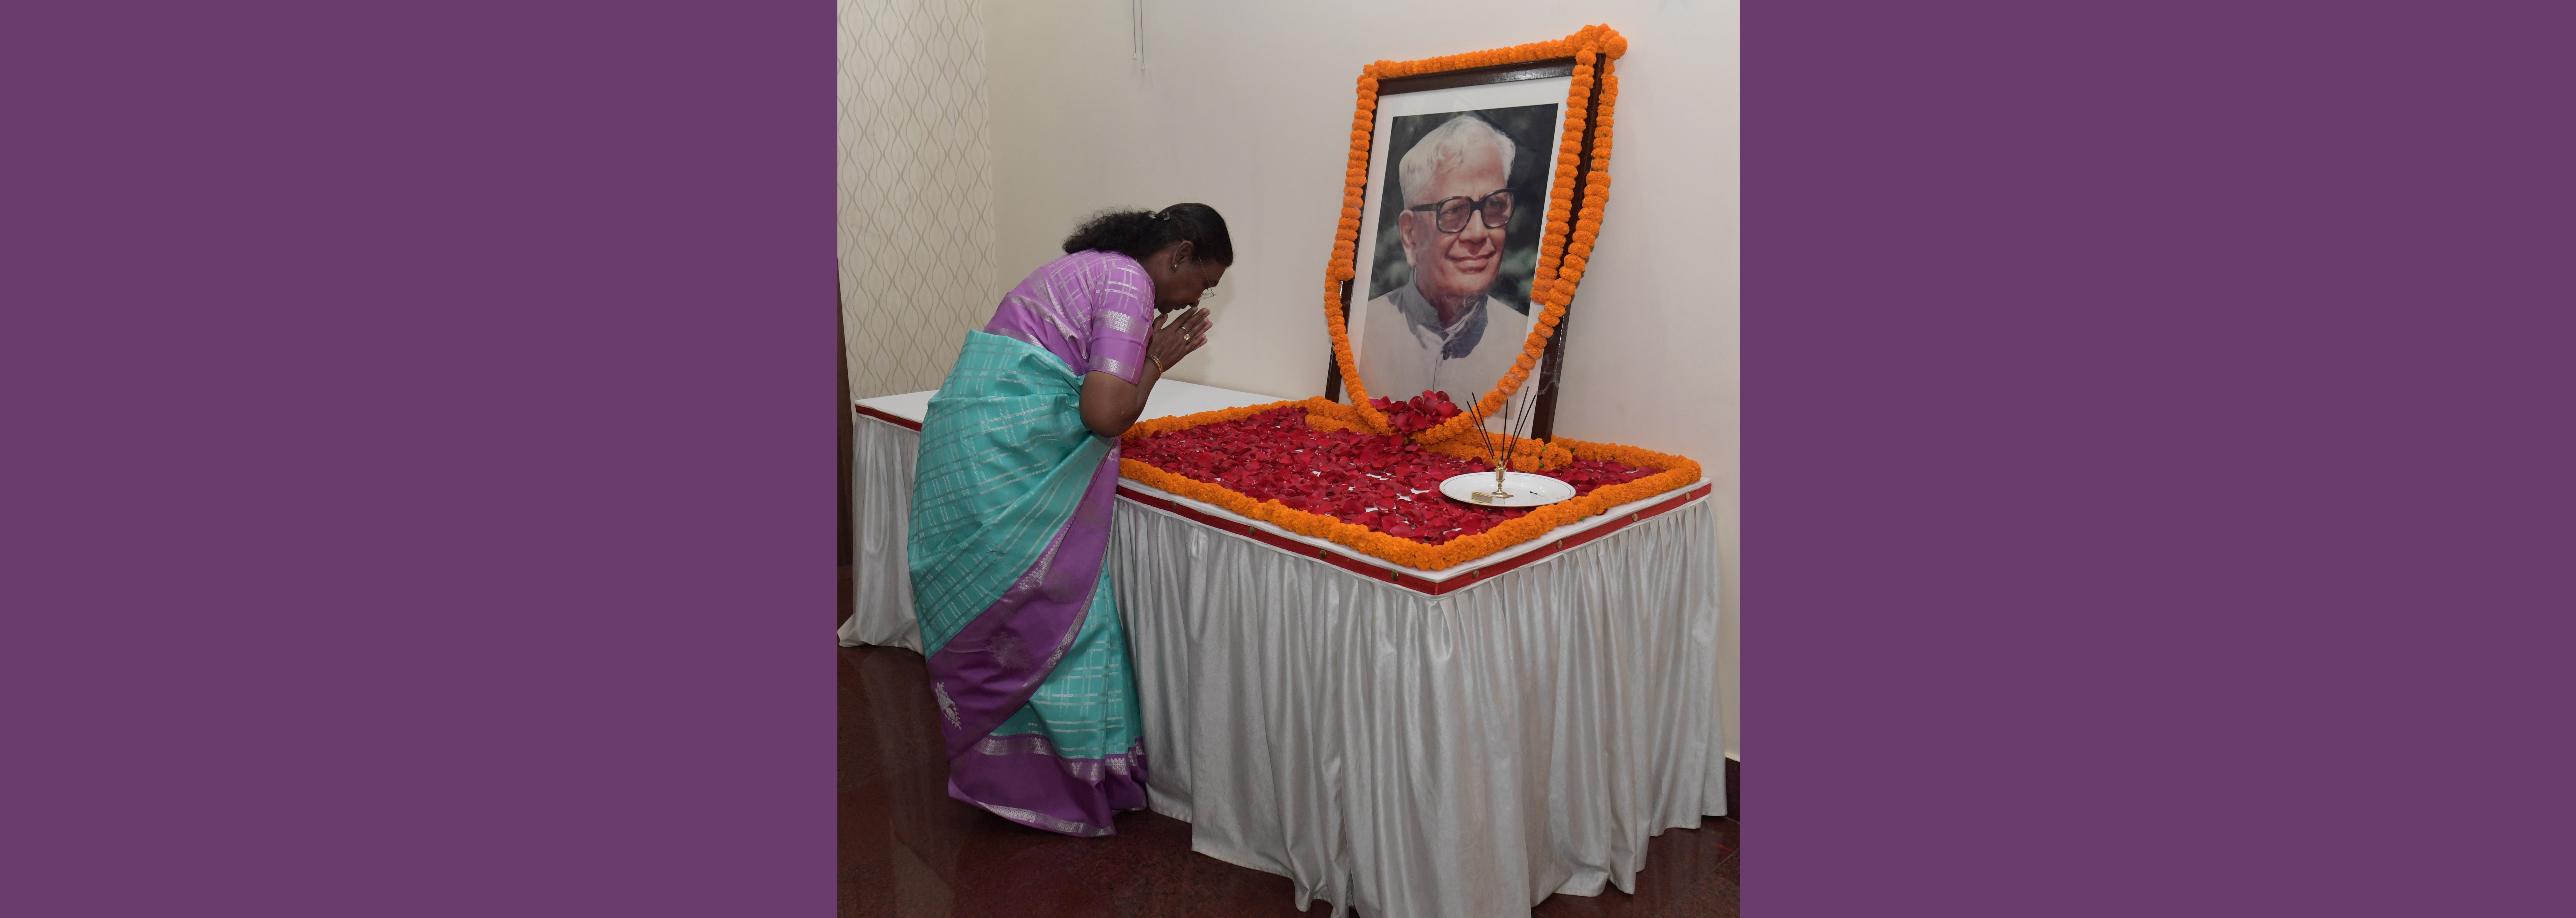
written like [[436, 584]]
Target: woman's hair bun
[[1137, 233]]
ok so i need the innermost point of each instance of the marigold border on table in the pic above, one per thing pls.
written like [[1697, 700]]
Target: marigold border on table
[[1677, 472], [1565, 246]]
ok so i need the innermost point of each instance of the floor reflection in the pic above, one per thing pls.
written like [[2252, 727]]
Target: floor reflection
[[908, 850]]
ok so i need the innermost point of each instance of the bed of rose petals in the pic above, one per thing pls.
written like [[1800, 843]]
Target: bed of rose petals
[[1380, 482]]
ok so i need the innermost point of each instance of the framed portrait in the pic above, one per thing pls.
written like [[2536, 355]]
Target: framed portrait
[[1453, 227]]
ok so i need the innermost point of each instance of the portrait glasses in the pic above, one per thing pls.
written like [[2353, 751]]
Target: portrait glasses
[[1496, 207]]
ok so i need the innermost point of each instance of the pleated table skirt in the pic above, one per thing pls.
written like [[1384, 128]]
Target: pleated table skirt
[[1411, 755]]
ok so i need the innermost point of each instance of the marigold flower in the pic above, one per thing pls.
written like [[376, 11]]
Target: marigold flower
[[1561, 254]]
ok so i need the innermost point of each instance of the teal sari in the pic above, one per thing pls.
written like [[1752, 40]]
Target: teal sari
[[1012, 501]]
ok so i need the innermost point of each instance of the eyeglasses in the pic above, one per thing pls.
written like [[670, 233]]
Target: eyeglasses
[[1496, 207]]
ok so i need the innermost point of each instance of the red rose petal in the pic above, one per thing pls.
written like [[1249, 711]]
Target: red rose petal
[[1382, 482]]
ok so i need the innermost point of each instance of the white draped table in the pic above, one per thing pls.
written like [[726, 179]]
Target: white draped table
[[1410, 743]]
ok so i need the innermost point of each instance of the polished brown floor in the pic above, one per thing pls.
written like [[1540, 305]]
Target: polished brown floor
[[907, 850]]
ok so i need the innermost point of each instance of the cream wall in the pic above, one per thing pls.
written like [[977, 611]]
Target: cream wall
[[1246, 107], [915, 189]]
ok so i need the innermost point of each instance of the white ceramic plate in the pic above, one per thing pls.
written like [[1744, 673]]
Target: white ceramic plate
[[1526, 490]]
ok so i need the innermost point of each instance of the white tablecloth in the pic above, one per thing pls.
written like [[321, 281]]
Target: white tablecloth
[[880, 507], [1412, 755]]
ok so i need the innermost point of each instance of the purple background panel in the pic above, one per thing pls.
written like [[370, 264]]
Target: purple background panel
[[416, 494], [420, 491], [2155, 483]]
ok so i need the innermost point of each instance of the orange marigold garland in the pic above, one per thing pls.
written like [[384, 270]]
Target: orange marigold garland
[[1565, 246], [1565, 250], [1676, 472], [1527, 455]]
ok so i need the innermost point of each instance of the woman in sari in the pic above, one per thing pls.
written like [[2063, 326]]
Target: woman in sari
[[1011, 507]]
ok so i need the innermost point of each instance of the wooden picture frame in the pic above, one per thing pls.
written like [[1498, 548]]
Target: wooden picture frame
[[1578, 181]]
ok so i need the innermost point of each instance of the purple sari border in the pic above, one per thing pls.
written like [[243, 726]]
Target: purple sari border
[[1043, 791], [1131, 762], [991, 667]]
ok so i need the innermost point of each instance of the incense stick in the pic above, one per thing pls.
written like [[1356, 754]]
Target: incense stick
[[1492, 451]]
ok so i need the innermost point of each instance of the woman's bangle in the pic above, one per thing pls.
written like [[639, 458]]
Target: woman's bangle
[[1159, 368]]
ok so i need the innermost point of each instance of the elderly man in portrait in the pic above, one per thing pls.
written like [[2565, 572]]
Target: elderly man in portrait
[[1442, 332]]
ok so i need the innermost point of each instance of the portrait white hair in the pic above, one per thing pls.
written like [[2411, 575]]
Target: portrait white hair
[[1455, 243]]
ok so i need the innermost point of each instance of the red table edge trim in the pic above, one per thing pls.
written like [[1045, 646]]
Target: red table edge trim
[[1392, 575], [888, 418], [1396, 576]]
